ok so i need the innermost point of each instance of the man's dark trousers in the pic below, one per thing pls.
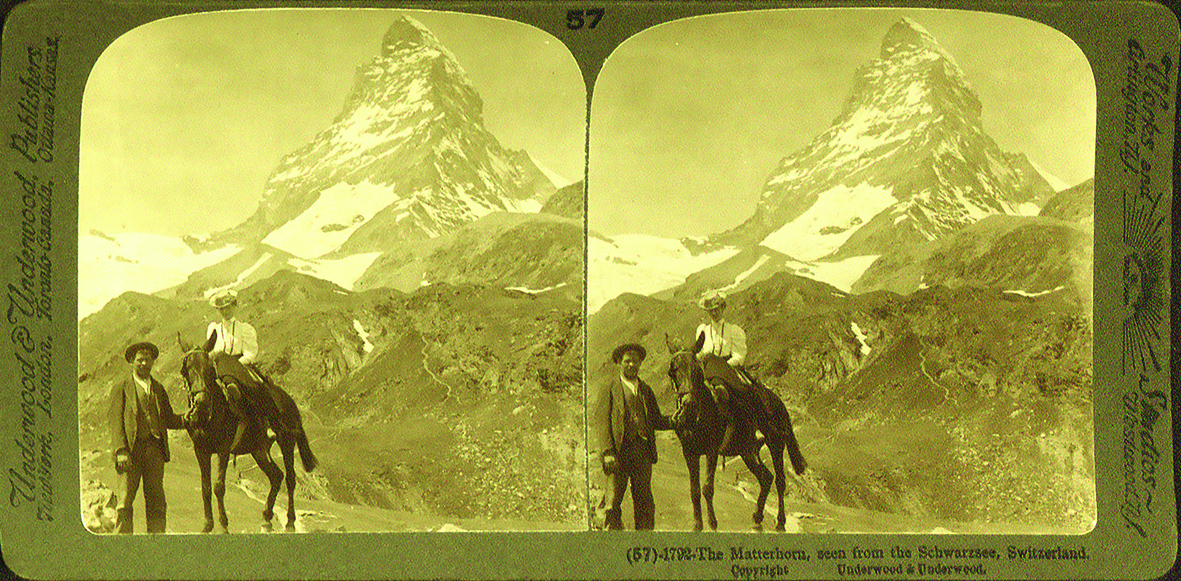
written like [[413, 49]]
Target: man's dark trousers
[[147, 465], [634, 466]]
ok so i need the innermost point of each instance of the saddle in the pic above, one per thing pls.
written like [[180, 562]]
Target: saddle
[[257, 390], [747, 391], [229, 368]]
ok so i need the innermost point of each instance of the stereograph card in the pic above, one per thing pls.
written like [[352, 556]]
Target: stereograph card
[[740, 290]]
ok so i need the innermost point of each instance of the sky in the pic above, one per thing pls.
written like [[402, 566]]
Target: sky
[[194, 112], [689, 119]]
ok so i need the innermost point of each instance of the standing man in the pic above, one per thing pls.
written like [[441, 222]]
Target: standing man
[[139, 417], [626, 421]]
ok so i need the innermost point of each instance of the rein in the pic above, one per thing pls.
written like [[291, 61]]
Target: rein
[[205, 380], [695, 376]]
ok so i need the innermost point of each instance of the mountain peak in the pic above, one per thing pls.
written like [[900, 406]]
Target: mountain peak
[[405, 33], [407, 158], [906, 36], [905, 161]]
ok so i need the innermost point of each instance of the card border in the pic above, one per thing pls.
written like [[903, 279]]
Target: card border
[[64, 549]]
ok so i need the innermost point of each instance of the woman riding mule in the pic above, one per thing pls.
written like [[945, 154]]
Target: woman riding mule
[[233, 345], [700, 427], [212, 429], [734, 388]]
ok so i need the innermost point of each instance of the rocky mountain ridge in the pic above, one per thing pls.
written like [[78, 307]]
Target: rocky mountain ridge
[[906, 161], [408, 158], [407, 163]]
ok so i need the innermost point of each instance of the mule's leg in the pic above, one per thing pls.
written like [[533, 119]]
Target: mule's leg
[[775, 444], [755, 464], [275, 478], [711, 468], [203, 460], [693, 463], [219, 489], [287, 448]]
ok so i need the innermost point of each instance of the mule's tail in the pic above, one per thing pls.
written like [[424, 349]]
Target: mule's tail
[[294, 421], [305, 451], [798, 464]]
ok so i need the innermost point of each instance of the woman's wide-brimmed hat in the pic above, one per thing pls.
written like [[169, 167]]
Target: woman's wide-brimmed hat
[[620, 350], [712, 299], [224, 298], [141, 346]]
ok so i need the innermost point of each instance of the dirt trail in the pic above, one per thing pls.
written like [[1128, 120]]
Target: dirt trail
[[735, 504], [182, 488]]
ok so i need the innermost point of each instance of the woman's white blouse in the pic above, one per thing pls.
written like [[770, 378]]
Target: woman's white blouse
[[724, 338], [234, 337]]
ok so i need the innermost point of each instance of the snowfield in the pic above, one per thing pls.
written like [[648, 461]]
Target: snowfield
[[534, 291], [841, 274], [364, 335], [341, 271], [144, 263], [331, 219], [641, 264], [746, 274], [242, 276], [824, 227]]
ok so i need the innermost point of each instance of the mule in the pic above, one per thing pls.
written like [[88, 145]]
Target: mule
[[211, 426], [701, 427]]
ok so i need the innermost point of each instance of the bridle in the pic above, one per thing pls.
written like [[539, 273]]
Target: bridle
[[207, 383], [683, 392]]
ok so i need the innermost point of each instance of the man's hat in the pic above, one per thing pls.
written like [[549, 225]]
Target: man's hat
[[224, 298], [712, 299], [131, 351], [620, 350]]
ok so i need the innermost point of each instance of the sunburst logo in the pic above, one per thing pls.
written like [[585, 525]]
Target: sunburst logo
[[1143, 276]]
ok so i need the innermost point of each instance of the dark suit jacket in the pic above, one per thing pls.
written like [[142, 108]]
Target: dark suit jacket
[[611, 415], [121, 414]]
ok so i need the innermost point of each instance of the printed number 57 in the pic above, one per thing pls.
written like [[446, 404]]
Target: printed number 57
[[575, 21]]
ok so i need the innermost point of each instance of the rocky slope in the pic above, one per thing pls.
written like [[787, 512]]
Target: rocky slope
[[568, 202], [968, 404], [411, 395], [1021, 254], [526, 252], [1075, 204], [736, 273]]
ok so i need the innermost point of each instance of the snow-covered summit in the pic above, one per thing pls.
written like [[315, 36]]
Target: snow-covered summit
[[408, 158], [409, 152], [906, 160], [907, 35]]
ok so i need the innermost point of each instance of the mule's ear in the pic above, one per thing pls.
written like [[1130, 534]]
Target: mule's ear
[[700, 343], [672, 345], [184, 346]]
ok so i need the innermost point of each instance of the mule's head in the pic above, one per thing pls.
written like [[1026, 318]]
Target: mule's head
[[201, 380], [687, 379]]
